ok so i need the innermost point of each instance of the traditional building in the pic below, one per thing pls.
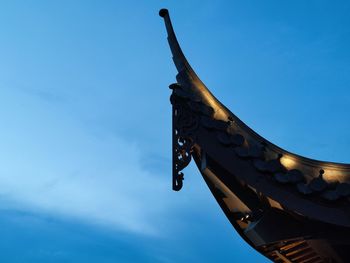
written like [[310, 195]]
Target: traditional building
[[288, 207]]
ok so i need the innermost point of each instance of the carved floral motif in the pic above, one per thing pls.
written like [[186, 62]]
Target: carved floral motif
[[184, 124]]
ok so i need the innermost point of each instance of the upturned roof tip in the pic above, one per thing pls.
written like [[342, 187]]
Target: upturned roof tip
[[163, 12]]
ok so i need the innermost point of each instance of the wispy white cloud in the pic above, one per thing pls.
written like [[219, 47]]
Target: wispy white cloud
[[51, 163]]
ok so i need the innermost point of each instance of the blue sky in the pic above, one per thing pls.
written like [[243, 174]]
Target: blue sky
[[85, 132]]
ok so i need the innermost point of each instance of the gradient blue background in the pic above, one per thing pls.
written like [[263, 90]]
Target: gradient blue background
[[85, 119]]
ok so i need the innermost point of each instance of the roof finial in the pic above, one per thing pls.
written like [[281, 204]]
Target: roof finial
[[163, 12]]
